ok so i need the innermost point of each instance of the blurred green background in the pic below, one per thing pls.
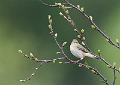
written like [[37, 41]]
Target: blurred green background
[[24, 25]]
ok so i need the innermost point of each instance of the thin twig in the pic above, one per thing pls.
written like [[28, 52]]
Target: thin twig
[[54, 35], [93, 70], [94, 24], [114, 77], [109, 65], [32, 57], [30, 77], [72, 23]]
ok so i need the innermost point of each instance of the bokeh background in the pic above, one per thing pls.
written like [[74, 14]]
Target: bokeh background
[[24, 25]]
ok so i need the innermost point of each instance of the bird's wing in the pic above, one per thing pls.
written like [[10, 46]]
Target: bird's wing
[[80, 47]]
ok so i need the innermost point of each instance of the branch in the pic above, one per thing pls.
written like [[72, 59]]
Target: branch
[[93, 24], [109, 65], [69, 61], [95, 71], [42, 62], [54, 35], [72, 23], [32, 57], [81, 37]]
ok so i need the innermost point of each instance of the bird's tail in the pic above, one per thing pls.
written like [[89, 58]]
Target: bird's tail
[[90, 55]]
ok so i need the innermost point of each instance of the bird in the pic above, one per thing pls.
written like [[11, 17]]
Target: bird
[[79, 51]]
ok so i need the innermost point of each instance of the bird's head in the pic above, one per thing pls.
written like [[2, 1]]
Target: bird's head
[[75, 42]]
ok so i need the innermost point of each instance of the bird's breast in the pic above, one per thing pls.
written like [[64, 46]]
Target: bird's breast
[[76, 52]]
